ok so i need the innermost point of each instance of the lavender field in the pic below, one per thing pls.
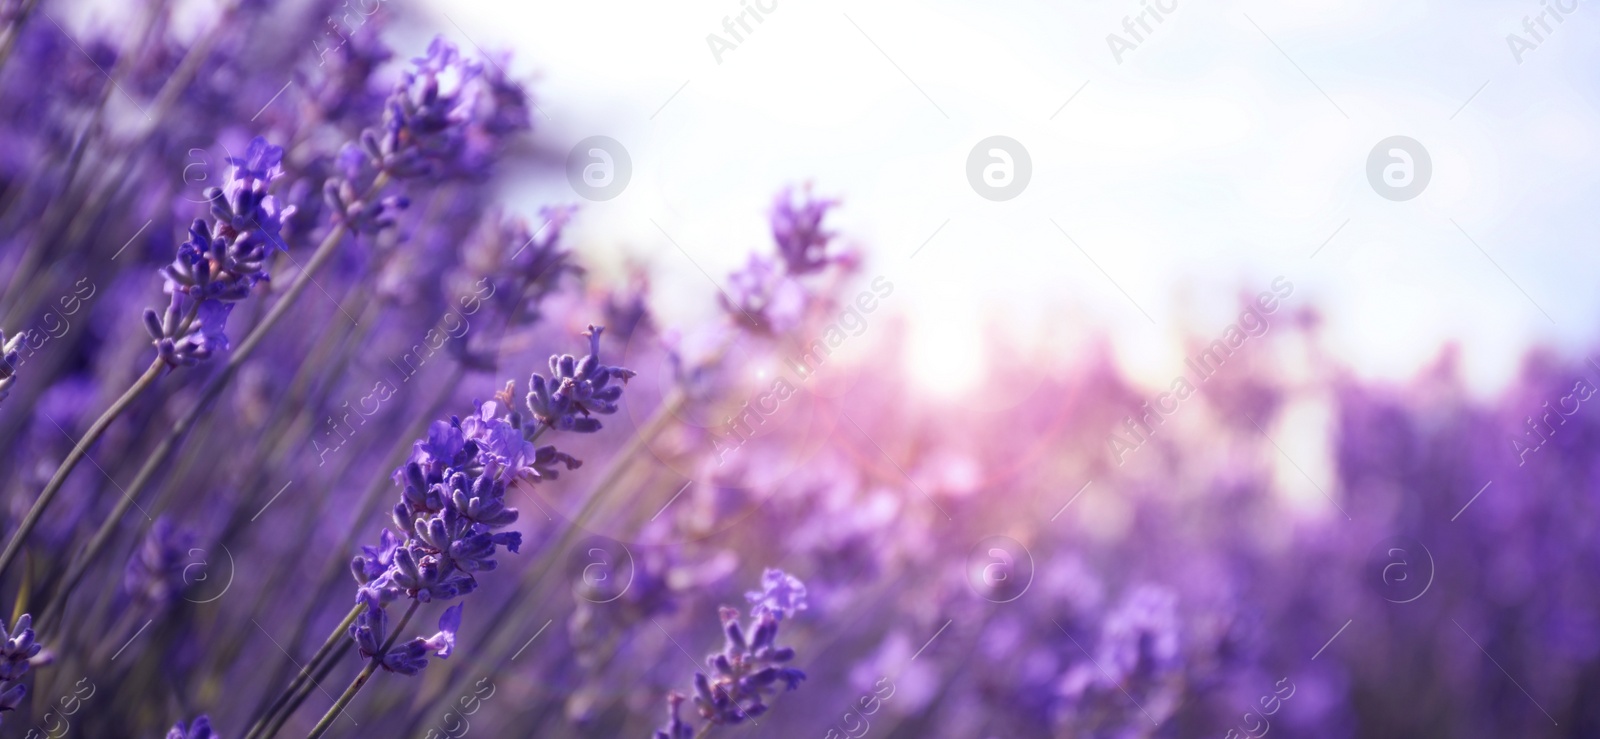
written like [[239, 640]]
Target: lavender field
[[332, 403]]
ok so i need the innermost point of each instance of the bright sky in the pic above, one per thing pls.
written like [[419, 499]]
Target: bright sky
[[1227, 147]]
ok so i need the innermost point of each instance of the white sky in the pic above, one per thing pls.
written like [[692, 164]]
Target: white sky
[[1205, 164]]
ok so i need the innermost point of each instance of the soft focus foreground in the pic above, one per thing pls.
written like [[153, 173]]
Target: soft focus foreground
[[263, 285]]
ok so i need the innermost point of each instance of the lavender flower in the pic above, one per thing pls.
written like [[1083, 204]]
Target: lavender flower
[[676, 728], [766, 297], [155, 574], [576, 389], [750, 667], [222, 261], [426, 116], [18, 651], [10, 355], [781, 594], [370, 631], [453, 505], [200, 728], [802, 242]]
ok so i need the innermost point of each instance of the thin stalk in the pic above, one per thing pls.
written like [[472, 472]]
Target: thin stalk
[[79, 451], [304, 677], [214, 388], [361, 680], [305, 691]]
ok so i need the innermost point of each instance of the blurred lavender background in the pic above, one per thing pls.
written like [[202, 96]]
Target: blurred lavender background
[[374, 369]]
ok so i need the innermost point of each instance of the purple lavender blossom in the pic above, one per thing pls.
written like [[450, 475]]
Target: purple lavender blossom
[[155, 574], [676, 727], [426, 116], [199, 728], [802, 241], [781, 594], [18, 652], [750, 667], [453, 505], [766, 296], [576, 390], [222, 261], [371, 628]]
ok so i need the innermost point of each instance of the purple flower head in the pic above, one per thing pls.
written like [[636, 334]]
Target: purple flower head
[[676, 728], [426, 116], [444, 642], [189, 333], [576, 389], [781, 594], [373, 561], [749, 670], [10, 356], [802, 242], [17, 648], [155, 575], [221, 261], [11, 696], [765, 297], [371, 630], [200, 728]]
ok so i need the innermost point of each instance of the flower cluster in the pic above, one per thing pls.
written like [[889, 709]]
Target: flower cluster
[[767, 293], [157, 572], [370, 632], [452, 502], [426, 116], [750, 668], [221, 261], [802, 242], [18, 652], [577, 389], [10, 354], [447, 525], [199, 728]]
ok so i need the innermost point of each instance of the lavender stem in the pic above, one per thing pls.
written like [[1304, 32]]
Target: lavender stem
[[79, 451], [361, 679], [304, 677], [214, 388]]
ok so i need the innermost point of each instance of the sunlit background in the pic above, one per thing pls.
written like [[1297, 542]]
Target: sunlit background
[[1227, 148]]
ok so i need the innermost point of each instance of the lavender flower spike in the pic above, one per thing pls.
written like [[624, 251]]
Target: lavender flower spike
[[426, 116], [781, 594], [801, 240], [576, 389], [18, 652], [200, 728], [751, 666], [10, 355], [222, 261]]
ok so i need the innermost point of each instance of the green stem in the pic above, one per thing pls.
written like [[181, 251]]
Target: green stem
[[79, 451], [361, 679], [304, 677], [305, 691]]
